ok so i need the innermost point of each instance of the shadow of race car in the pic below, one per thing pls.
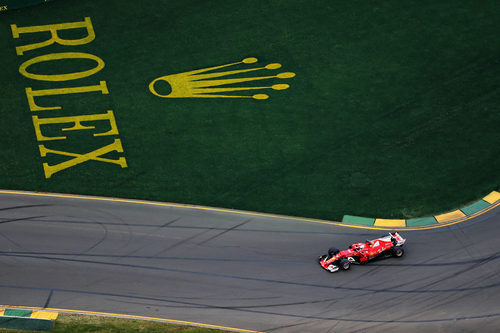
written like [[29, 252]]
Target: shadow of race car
[[361, 253]]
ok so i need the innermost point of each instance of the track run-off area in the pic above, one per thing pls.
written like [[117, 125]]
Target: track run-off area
[[241, 270]]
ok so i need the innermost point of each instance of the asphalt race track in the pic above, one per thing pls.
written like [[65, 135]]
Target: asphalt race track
[[243, 270]]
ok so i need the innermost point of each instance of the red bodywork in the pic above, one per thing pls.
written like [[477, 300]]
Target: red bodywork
[[363, 252]]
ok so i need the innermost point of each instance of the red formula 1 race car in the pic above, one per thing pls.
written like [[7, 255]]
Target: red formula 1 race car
[[360, 253]]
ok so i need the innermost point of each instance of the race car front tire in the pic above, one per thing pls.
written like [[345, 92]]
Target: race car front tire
[[345, 264]]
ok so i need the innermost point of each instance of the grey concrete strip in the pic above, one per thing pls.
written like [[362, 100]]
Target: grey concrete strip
[[257, 273]]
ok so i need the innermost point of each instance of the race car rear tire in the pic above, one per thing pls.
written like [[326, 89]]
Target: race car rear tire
[[345, 264], [398, 251]]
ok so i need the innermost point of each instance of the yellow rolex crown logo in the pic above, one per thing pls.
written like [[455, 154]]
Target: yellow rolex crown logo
[[199, 83]]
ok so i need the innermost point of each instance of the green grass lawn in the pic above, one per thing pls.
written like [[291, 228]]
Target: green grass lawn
[[70, 323], [393, 112]]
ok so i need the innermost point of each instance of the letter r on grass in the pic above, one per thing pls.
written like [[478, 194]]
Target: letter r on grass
[[53, 29]]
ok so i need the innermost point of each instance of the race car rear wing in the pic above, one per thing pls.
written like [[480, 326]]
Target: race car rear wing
[[397, 237], [393, 237]]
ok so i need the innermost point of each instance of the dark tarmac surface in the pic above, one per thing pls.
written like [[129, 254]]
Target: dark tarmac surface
[[250, 272]]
